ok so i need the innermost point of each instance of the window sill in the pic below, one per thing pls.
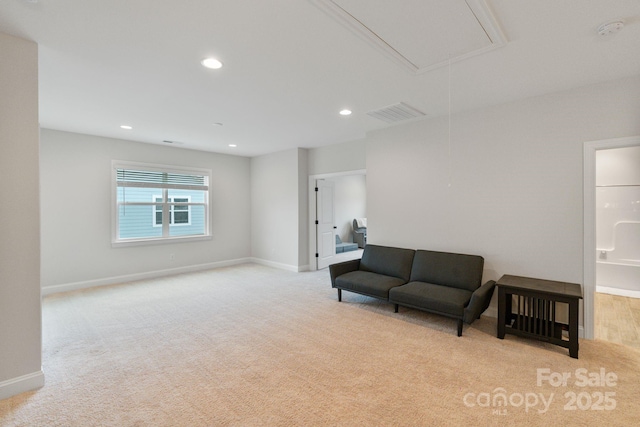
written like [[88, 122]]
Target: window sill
[[161, 241]]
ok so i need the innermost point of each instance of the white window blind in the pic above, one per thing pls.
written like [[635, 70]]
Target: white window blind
[[159, 179]]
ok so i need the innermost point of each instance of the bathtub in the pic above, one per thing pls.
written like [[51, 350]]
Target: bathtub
[[618, 278], [617, 269]]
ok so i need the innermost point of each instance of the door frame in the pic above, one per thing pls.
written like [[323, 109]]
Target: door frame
[[313, 265], [589, 246]]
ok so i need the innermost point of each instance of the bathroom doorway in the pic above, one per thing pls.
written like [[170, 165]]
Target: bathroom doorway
[[612, 241], [617, 298]]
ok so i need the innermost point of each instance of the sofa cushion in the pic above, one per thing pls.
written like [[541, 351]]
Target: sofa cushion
[[344, 247], [350, 247], [395, 262], [431, 297], [449, 269], [368, 283]]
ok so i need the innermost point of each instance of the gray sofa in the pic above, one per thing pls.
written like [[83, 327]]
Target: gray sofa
[[438, 282], [344, 246]]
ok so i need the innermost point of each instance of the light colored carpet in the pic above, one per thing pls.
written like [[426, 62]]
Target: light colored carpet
[[251, 345]]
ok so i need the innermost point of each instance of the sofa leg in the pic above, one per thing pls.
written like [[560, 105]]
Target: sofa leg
[[459, 327], [339, 295]]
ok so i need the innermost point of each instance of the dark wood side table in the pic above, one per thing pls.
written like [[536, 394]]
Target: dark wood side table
[[535, 314]]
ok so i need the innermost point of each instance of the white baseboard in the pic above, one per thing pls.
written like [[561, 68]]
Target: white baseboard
[[304, 268], [617, 291], [48, 290], [21, 384], [279, 265]]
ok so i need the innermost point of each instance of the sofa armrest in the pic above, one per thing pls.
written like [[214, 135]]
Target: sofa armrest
[[341, 268], [480, 300]]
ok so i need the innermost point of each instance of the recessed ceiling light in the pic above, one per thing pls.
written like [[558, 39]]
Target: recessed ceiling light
[[232, 145], [345, 112], [127, 127], [211, 63]]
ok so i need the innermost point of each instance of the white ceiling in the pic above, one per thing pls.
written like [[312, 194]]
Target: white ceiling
[[402, 35], [291, 65]]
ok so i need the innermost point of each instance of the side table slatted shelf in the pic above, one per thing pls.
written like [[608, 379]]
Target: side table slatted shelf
[[535, 310]]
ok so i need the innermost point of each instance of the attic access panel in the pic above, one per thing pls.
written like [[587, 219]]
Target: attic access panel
[[421, 34]]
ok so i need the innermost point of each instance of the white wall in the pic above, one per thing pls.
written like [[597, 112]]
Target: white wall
[[350, 202], [349, 156], [276, 209], [303, 209], [20, 312], [508, 186], [618, 166], [76, 206]]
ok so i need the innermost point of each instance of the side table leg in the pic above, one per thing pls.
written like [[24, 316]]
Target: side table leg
[[573, 328], [501, 311]]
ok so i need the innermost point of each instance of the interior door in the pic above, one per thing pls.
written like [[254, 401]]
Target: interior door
[[325, 223]]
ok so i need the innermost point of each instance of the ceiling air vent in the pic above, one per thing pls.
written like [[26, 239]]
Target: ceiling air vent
[[396, 113]]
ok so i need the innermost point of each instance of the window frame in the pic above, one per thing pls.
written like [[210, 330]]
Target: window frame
[[116, 241]]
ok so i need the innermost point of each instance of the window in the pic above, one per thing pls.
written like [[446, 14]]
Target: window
[[179, 194]]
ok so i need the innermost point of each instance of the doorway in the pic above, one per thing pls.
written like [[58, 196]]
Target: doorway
[[609, 310], [347, 207]]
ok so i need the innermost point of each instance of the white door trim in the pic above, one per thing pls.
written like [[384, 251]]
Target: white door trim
[[312, 210], [589, 247]]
